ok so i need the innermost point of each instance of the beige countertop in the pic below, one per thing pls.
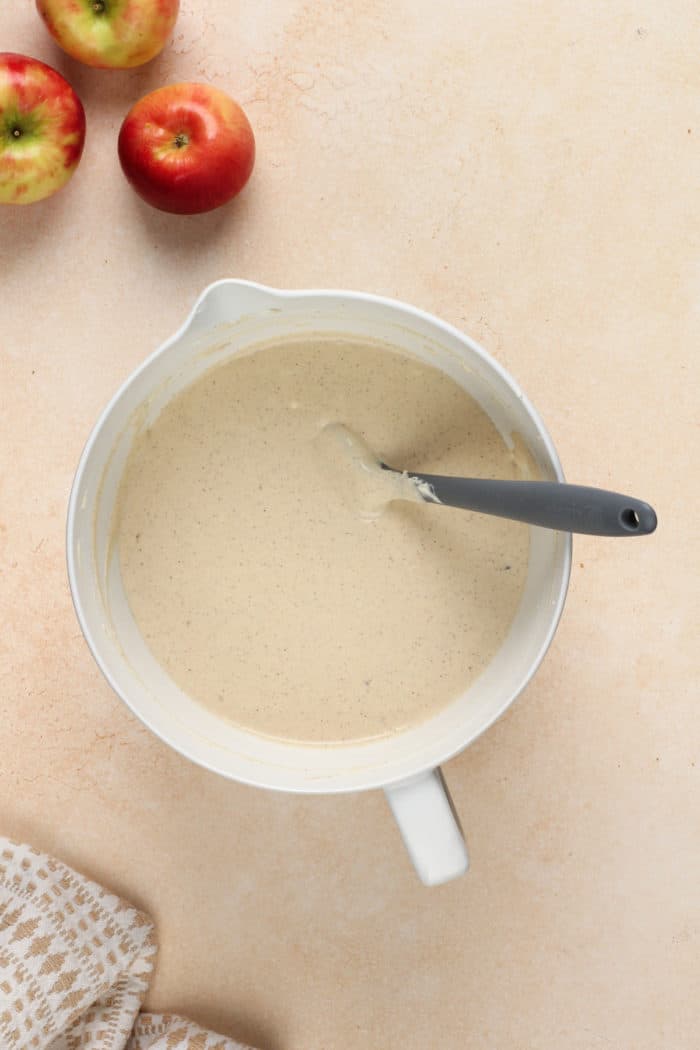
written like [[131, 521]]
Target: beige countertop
[[530, 173]]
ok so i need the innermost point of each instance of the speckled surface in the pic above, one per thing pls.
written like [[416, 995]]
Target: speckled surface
[[528, 172]]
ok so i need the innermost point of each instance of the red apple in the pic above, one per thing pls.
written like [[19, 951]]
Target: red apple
[[110, 34], [187, 148], [42, 130]]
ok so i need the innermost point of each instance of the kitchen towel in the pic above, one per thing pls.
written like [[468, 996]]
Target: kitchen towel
[[75, 965]]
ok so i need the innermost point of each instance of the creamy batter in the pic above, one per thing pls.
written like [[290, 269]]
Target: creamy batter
[[256, 574]]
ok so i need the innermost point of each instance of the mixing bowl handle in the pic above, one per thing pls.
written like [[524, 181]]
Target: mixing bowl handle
[[429, 827]]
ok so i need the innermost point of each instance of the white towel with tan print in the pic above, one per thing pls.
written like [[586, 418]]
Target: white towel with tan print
[[75, 964]]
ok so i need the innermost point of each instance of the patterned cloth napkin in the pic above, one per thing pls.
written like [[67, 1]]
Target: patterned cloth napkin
[[75, 964]]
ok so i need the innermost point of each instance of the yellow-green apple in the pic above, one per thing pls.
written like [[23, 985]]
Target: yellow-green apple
[[42, 130], [187, 148], [110, 34]]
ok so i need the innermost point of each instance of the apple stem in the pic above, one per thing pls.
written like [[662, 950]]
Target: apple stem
[[16, 133], [98, 6]]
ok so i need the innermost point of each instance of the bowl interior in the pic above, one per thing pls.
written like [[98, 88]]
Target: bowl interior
[[230, 318]]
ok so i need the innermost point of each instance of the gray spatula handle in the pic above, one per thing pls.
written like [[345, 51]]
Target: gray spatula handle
[[554, 505]]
